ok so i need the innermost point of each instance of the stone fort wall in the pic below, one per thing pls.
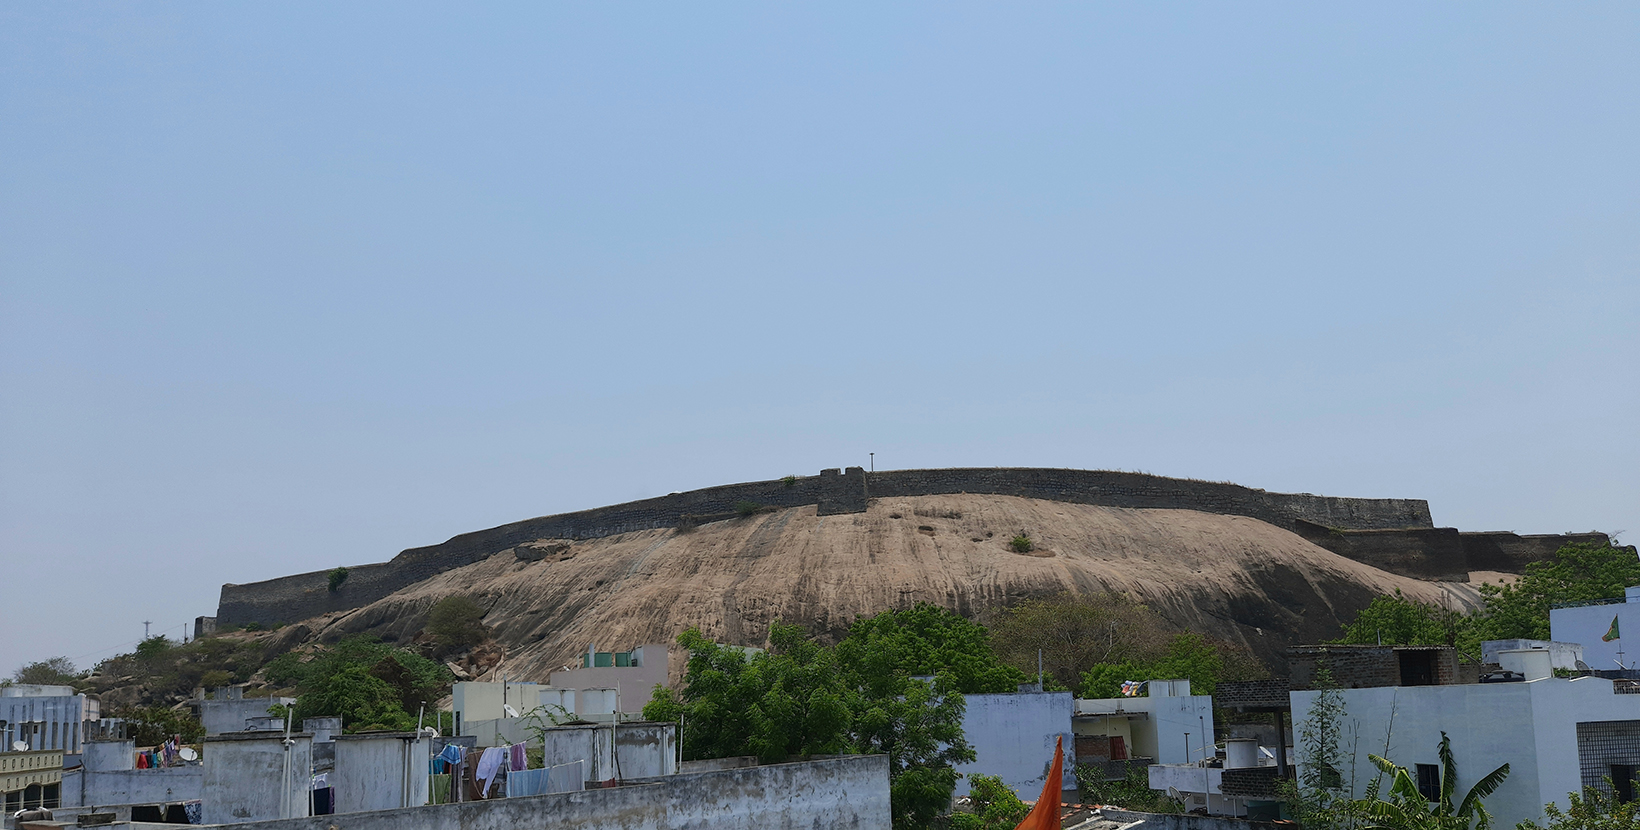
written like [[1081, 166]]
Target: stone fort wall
[[300, 596]]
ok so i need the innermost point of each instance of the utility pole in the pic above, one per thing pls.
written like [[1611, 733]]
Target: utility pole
[[145, 624], [874, 462]]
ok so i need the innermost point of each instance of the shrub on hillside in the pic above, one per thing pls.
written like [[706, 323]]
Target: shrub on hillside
[[457, 623]]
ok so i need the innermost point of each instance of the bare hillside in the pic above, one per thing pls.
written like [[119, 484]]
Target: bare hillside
[[1231, 577]]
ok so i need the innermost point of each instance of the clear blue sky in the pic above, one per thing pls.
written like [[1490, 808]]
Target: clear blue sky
[[288, 286]]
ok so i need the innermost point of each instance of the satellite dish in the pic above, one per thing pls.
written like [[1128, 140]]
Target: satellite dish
[[511, 712], [19, 746], [187, 753]]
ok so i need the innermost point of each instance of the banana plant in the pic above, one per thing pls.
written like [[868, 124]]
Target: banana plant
[[1408, 809]]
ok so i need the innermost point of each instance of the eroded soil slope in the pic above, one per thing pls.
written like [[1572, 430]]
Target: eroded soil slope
[[1235, 578]]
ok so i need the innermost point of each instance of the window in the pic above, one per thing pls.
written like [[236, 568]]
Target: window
[[1429, 782], [1623, 781]]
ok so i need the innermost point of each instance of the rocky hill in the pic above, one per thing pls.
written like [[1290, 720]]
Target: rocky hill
[[1233, 577]]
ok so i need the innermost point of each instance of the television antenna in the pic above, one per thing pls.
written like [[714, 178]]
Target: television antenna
[[145, 624]]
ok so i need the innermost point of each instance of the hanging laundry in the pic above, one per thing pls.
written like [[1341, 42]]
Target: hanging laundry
[[527, 782], [488, 765], [441, 789], [567, 778], [142, 760], [517, 759], [453, 753]]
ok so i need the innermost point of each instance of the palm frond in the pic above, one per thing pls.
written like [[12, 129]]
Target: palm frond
[[1387, 816], [1482, 789], [1449, 774]]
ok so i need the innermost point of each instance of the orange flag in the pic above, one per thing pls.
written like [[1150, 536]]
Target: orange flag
[[1045, 815]]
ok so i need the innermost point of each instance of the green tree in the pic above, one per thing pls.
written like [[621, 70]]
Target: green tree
[[457, 622], [993, 806], [1577, 573], [1408, 809], [1319, 799], [1073, 633], [1397, 620], [921, 732], [1594, 810], [367, 683], [882, 652], [154, 725], [894, 685], [1202, 661], [57, 671], [784, 702]]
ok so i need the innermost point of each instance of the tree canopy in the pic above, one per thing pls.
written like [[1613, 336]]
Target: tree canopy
[[457, 622], [367, 683], [57, 671], [1073, 633], [1577, 572], [894, 685]]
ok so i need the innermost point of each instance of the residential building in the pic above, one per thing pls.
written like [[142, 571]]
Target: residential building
[[1013, 737], [1168, 726], [45, 717], [109, 781], [1594, 624], [479, 700], [228, 710], [380, 771], [1237, 782], [31, 778], [256, 776], [632, 674], [1558, 735]]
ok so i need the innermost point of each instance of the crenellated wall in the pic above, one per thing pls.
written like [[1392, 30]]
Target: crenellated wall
[[300, 596]]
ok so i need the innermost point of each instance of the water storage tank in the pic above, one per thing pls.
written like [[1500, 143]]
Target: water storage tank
[[1532, 663], [1240, 753]]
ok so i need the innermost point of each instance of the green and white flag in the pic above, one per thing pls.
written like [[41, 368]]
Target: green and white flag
[[1612, 634]]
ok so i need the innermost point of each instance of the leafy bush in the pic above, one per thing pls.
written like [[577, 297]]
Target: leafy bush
[[744, 508], [1132, 792], [456, 623], [337, 577], [994, 806], [789, 481], [1594, 810], [1022, 543]]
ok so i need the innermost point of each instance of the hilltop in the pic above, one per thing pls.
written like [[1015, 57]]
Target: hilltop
[[1232, 577], [1260, 569]]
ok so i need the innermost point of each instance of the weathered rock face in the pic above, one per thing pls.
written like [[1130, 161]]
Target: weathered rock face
[[1232, 577], [833, 492]]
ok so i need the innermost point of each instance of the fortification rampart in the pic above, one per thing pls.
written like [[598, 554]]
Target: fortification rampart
[[833, 491]]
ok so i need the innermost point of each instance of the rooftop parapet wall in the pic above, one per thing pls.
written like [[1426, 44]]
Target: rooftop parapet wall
[[301, 596]]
